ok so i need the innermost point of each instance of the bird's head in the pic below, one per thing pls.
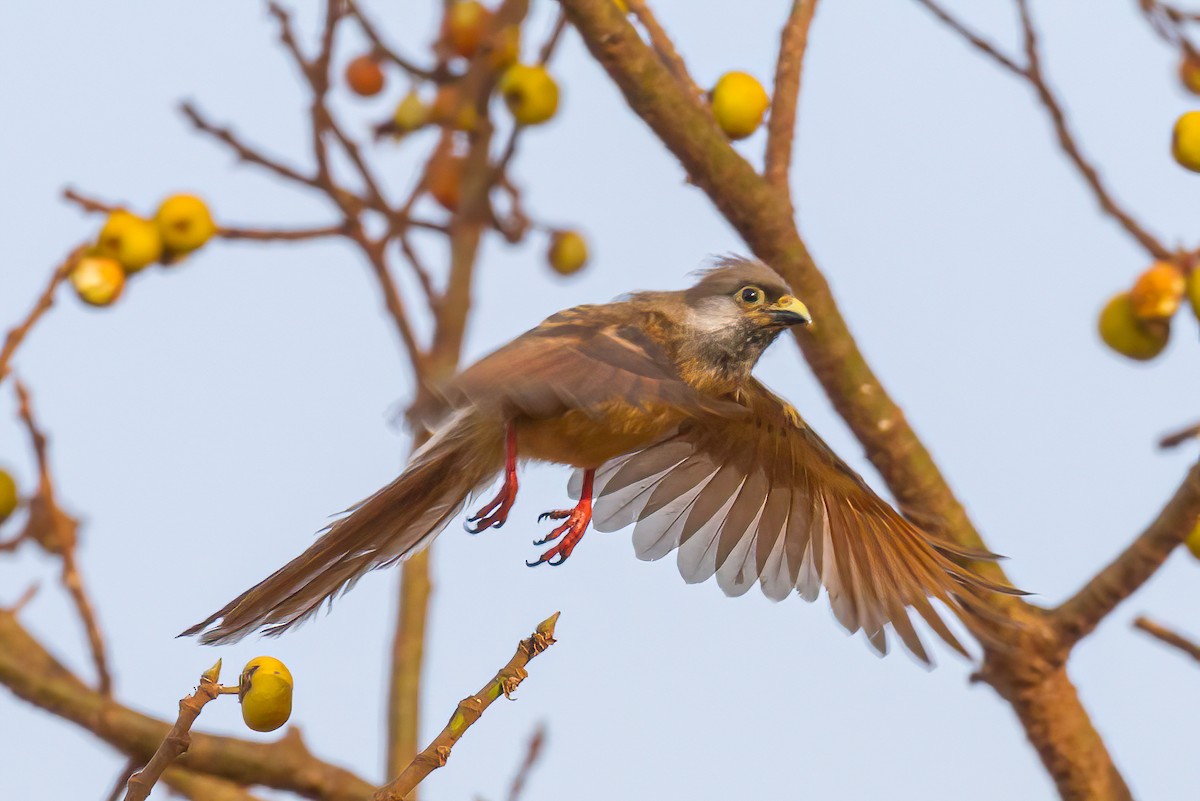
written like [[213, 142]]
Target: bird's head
[[738, 308]]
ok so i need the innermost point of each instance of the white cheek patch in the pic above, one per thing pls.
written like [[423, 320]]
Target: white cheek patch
[[713, 314]]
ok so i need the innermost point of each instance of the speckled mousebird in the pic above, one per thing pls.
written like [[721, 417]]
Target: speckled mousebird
[[652, 400]]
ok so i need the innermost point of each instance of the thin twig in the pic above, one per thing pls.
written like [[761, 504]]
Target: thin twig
[[179, 738], [122, 780], [1066, 140], [272, 235], [1181, 436], [781, 127], [45, 300], [665, 48], [972, 38], [1163, 634], [381, 48], [533, 752], [200, 787], [55, 531], [1081, 613], [1032, 74], [469, 710]]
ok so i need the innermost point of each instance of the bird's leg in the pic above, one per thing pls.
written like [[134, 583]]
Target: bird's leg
[[495, 513], [571, 531]]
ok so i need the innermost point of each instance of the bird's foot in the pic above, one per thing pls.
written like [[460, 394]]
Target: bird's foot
[[495, 513], [570, 532]]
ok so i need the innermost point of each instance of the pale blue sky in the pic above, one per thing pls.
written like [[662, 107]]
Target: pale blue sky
[[228, 407]]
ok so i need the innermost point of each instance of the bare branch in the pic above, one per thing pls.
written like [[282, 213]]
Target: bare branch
[[1163, 634], [45, 300], [1070, 147], [179, 738], [665, 49], [55, 531], [245, 152], [533, 752], [199, 787], [275, 235], [381, 48], [975, 40], [469, 710], [781, 127], [1181, 436], [1079, 615]]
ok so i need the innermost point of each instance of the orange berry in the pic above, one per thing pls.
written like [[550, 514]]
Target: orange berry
[[364, 76], [1189, 74], [443, 178], [1158, 291], [98, 280], [466, 24]]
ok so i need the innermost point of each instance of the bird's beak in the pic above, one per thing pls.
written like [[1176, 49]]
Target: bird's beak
[[789, 311]]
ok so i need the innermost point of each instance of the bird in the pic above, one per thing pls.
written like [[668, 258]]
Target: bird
[[652, 400]]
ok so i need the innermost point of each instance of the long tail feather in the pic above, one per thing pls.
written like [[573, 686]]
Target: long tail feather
[[391, 525]]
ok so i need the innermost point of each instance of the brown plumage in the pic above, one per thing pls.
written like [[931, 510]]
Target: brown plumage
[[651, 398]]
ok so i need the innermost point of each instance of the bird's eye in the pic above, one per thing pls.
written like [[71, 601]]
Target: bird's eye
[[750, 294]]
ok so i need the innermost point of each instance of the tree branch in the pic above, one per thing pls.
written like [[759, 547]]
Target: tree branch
[[45, 300], [179, 738], [781, 127], [1079, 615], [1163, 634], [55, 531], [33, 675], [469, 710]]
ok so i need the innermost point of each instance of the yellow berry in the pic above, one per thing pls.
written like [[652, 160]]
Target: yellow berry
[[1158, 291], [265, 690], [411, 113], [1122, 331], [530, 93], [98, 280], [1193, 541], [184, 223], [466, 25], [8, 494], [364, 76], [1189, 74], [1185, 142], [568, 252], [739, 103], [1193, 291], [131, 240]]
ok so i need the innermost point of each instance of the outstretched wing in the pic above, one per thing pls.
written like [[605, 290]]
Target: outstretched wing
[[761, 498], [582, 358]]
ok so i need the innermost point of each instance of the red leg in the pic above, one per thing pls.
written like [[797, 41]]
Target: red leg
[[571, 531], [495, 513]]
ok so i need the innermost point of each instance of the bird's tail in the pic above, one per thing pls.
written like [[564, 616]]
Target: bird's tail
[[391, 525]]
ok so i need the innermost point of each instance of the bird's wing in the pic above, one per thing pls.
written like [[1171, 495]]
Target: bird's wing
[[761, 498], [582, 358]]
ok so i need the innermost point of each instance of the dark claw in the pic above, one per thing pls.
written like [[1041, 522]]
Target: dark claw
[[534, 564]]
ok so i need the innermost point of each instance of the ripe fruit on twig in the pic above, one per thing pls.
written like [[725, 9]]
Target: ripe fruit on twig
[[739, 103], [131, 240], [443, 178], [184, 223], [1185, 142], [265, 691], [530, 93], [8, 495], [466, 25], [1122, 331], [1189, 73], [411, 113], [568, 252], [364, 76], [98, 280], [450, 111], [1158, 291]]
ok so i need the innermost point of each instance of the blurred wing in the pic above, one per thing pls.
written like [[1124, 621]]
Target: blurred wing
[[761, 498], [582, 358]]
